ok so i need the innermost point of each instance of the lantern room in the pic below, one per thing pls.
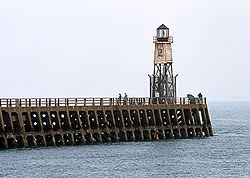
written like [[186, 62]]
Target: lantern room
[[162, 31], [162, 35]]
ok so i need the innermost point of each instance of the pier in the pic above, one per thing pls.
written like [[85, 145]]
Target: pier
[[34, 122]]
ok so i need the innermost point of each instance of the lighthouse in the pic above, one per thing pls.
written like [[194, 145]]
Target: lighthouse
[[163, 82]]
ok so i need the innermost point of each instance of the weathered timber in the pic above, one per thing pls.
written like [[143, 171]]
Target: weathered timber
[[38, 122]]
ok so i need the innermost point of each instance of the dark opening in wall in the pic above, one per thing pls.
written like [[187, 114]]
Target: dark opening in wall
[[84, 120], [74, 120], [150, 117], [39, 140], [164, 116], [101, 119], [105, 137], [16, 123], [191, 132], [168, 134], [113, 136], [118, 119], [176, 133], [92, 119], [49, 140], [6, 121], [143, 118], [78, 138], [19, 141], [198, 132], [54, 121], [126, 118], [67, 139], [146, 135], [173, 117], [160, 134], [2, 143], [58, 139], [188, 117], [183, 133], [64, 120], [26, 122], [134, 118], [138, 136], [96, 137], [129, 136], [11, 143], [35, 121], [157, 117], [88, 138], [45, 121], [30, 141], [109, 118], [121, 136]]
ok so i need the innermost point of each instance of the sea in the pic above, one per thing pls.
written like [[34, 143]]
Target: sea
[[226, 154]]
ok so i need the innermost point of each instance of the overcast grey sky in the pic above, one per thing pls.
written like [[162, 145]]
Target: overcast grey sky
[[77, 48]]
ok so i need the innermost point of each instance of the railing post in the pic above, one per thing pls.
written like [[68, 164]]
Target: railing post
[[75, 101], [101, 101], [67, 101]]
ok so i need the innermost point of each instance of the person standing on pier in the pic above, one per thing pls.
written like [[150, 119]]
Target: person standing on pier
[[125, 98], [200, 98], [120, 98]]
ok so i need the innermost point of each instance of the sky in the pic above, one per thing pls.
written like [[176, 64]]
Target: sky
[[97, 48]]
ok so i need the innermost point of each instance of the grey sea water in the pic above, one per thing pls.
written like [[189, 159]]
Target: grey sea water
[[227, 154]]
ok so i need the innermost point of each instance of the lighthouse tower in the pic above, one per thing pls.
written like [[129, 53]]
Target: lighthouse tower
[[162, 82]]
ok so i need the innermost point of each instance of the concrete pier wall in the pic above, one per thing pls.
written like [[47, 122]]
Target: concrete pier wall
[[54, 122]]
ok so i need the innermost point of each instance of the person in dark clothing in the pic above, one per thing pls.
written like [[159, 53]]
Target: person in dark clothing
[[200, 98], [120, 98]]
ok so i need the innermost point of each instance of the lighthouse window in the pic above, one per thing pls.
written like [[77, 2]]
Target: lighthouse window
[[159, 52]]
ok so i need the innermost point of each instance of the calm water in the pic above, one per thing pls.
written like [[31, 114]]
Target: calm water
[[227, 154]]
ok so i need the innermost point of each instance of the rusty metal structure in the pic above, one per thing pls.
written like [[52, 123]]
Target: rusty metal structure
[[34, 122]]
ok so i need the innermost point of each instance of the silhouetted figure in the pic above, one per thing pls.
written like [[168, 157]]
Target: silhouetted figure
[[200, 98], [120, 98], [125, 98]]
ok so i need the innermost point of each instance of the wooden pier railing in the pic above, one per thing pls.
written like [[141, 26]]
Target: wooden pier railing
[[45, 102]]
